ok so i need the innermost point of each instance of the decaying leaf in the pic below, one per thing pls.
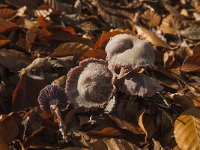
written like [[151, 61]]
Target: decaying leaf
[[14, 60], [186, 129], [151, 18], [170, 25], [70, 48], [8, 128], [151, 37], [191, 63], [192, 32]]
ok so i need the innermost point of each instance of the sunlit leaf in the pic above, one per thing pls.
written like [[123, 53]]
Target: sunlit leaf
[[187, 129], [170, 25], [7, 13], [151, 18], [151, 37], [70, 48]]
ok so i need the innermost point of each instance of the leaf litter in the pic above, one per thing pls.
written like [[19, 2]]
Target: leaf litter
[[149, 102]]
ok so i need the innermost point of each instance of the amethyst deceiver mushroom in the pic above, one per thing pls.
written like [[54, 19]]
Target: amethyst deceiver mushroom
[[89, 84], [52, 98], [138, 84], [125, 50], [130, 54], [52, 94]]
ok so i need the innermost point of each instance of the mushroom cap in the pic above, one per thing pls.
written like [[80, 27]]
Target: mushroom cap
[[89, 84], [49, 94], [125, 50], [138, 84]]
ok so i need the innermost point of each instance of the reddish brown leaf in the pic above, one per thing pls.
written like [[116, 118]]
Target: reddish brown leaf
[[26, 93], [7, 13], [98, 54], [191, 63], [8, 128], [105, 37], [42, 22], [3, 40], [6, 25], [70, 48]]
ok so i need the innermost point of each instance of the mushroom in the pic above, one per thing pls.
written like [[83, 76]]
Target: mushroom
[[89, 84], [52, 99], [130, 55], [138, 84], [125, 50]]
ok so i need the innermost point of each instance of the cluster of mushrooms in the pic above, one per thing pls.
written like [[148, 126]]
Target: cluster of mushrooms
[[93, 82]]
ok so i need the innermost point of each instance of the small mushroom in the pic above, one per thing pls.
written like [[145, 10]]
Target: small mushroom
[[125, 50], [89, 84], [138, 84], [52, 98]]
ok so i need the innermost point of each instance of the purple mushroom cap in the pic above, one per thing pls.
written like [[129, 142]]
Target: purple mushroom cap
[[125, 50], [49, 94], [138, 84], [89, 84]]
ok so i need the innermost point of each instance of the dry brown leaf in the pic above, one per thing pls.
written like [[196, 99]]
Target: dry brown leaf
[[192, 32], [105, 37], [183, 100], [98, 54], [70, 48], [8, 128], [187, 129], [20, 3], [26, 93], [196, 49], [6, 25], [113, 144], [42, 22], [14, 60], [7, 13], [151, 37], [111, 16], [170, 25], [169, 58], [130, 126], [191, 63], [151, 18], [3, 40], [146, 123]]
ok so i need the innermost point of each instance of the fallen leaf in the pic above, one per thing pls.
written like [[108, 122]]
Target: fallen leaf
[[151, 18], [3, 40], [70, 48], [7, 13], [14, 60], [8, 128], [192, 32], [6, 25], [151, 37], [191, 63], [186, 129], [26, 93], [105, 37], [170, 25]]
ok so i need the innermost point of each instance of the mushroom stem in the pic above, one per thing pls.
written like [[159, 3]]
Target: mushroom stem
[[62, 127]]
